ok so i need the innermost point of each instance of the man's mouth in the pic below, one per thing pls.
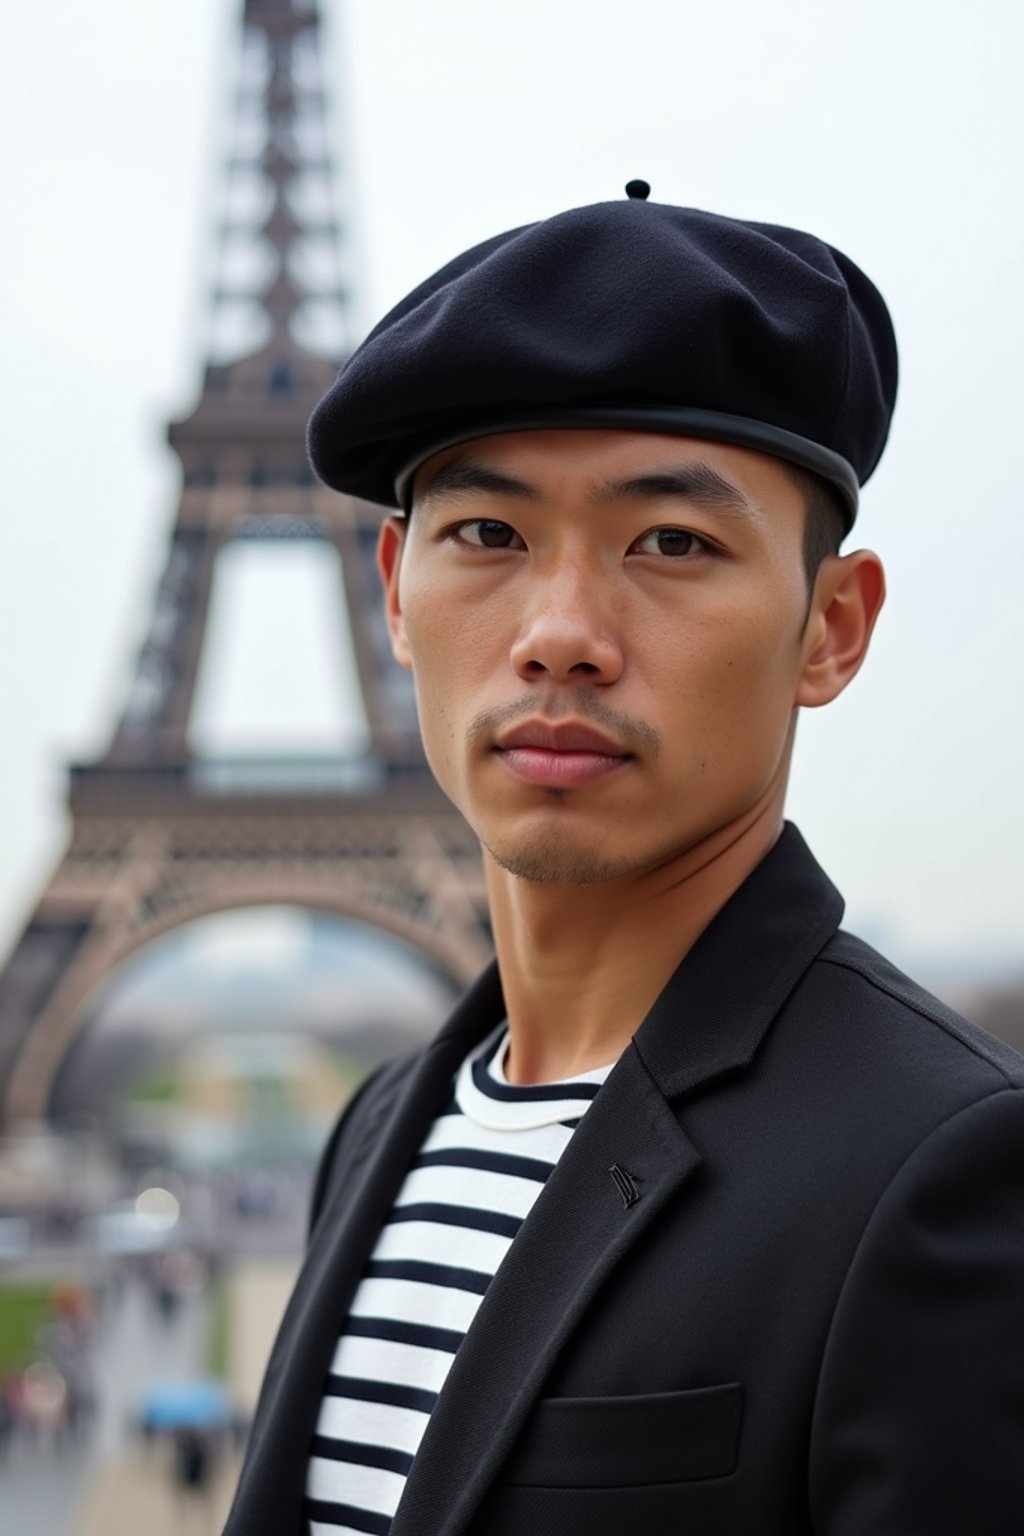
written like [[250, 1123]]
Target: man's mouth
[[562, 754]]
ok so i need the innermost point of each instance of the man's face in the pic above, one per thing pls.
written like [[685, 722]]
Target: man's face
[[607, 634]]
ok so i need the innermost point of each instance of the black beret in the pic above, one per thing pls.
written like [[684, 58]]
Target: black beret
[[627, 314]]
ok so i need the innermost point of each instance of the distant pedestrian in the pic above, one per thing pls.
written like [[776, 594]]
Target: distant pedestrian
[[191, 1461], [192, 1468]]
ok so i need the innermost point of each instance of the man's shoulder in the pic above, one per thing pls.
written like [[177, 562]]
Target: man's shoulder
[[868, 991]]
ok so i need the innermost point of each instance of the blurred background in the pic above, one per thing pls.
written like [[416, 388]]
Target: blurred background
[[228, 885]]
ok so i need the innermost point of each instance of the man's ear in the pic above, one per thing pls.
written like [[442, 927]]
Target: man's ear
[[390, 544], [848, 595]]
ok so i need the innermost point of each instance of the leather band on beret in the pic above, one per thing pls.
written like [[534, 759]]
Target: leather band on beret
[[712, 425]]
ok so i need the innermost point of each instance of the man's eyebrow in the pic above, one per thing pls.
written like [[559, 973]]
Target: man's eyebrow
[[462, 475], [696, 483]]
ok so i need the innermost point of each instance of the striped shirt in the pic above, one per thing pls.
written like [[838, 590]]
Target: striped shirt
[[483, 1164]]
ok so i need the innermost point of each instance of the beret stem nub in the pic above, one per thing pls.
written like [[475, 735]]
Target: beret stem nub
[[641, 190]]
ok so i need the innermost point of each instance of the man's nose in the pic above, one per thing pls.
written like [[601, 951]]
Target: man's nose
[[565, 632]]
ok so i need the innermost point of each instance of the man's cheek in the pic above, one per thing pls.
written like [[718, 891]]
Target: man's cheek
[[436, 714]]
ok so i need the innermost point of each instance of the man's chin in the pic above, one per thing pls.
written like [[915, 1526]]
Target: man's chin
[[556, 862]]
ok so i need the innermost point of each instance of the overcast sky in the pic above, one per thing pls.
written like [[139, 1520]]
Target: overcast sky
[[891, 128]]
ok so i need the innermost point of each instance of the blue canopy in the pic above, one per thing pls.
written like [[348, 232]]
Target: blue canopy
[[201, 1404]]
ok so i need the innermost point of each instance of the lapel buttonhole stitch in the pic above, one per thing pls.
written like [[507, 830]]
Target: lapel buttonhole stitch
[[625, 1184]]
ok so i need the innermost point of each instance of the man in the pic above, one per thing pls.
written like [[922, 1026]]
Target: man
[[697, 1216]]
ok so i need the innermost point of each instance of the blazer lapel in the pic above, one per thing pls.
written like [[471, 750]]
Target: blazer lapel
[[269, 1498], [583, 1222]]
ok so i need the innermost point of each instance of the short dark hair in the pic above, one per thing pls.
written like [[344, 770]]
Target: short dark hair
[[825, 527]]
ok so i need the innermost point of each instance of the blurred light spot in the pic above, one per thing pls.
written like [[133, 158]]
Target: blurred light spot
[[158, 1207]]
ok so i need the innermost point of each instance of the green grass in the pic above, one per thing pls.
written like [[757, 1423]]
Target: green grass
[[23, 1308], [160, 1084], [217, 1325]]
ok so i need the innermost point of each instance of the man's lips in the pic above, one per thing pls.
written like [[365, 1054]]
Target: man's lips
[[560, 736], [559, 754]]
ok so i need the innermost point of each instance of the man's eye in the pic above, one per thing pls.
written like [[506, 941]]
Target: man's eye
[[489, 534], [668, 541]]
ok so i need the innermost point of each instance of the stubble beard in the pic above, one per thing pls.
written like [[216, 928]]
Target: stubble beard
[[559, 860]]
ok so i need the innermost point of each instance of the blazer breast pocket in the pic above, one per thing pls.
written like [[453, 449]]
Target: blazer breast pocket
[[620, 1442]]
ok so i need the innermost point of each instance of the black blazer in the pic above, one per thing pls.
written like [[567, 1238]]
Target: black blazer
[[809, 1319]]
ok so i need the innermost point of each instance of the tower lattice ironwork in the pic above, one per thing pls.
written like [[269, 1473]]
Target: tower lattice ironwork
[[161, 834]]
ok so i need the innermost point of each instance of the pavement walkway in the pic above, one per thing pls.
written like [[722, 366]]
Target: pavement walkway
[[134, 1494]]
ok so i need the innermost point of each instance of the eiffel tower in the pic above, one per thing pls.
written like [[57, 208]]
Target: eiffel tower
[[162, 834]]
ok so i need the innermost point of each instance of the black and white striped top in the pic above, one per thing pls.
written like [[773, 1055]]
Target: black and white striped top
[[481, 1167]]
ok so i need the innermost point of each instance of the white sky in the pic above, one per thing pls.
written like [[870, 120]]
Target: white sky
[[274, 617], [890, 127]]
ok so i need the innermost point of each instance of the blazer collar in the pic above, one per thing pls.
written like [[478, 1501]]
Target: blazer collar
[[723, 997]]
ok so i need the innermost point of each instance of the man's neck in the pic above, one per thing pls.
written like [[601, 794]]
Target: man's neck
[[582, 965]]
